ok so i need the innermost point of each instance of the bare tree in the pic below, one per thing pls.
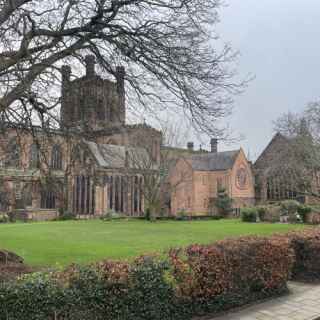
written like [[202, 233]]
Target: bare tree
[[298, 163], [155, 168], [167, 47]]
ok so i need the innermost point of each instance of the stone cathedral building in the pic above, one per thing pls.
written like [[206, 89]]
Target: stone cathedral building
[[90, 165]]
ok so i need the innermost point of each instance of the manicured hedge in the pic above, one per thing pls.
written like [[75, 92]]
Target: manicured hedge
[[188, 282], [231, 273], [306, 246]]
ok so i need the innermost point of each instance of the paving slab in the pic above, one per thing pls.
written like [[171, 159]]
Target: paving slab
[[303, 303]]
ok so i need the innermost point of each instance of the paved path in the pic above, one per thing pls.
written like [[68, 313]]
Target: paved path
[[302, 304]]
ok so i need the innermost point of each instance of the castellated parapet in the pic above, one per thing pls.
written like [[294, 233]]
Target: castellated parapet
[[90, 102]]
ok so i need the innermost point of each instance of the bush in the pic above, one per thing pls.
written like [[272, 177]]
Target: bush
[[303, 211], [223, 203], [262, 212], [231, 273], [249, 214], [12, 217], [66, 215], [4, 218], [111, 215], [306, 246], [272, 213], [290, 208], [182, 215], [186, 283]]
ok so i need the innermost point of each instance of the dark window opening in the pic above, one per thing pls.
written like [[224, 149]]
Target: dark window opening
[[13, 154], [135, 201], [48, 199], [111, 193], [117, 194], [34, 157], [56, 158], [141, 194]]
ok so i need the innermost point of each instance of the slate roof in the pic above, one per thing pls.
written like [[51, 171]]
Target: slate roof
[[214, 161], [114, 156]]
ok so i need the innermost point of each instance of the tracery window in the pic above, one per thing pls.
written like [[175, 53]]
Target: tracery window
[[56, 158], [135, 196], [34, 159], [83, 196], [48, 199], [13, 154]]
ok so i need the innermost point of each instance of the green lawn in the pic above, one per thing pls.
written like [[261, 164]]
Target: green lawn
[[51, 243]]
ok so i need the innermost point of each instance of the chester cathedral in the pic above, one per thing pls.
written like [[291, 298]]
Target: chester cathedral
[[91, 165], [87, 173]]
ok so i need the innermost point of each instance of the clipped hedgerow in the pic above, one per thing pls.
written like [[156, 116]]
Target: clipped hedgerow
[[306, 246], [231, 273], [188, 282]]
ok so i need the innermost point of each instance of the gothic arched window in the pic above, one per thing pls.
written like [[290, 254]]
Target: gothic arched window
[[56, 158], [34, 156], [48, 199], [13, 154]]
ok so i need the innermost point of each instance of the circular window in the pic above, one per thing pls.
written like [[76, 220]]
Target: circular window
[[242, 178]]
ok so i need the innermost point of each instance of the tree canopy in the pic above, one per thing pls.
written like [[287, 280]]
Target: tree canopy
[[169, 49]]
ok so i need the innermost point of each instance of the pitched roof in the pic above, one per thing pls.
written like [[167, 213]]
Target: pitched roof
[[114, 156], [214, 161], [275, 145]]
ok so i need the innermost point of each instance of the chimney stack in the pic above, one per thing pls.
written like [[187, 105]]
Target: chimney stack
[[90, 61], [190, 146], [66, 72], [120, 74], [214, 145]]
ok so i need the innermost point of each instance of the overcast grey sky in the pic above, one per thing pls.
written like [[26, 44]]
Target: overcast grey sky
[[279, 41]]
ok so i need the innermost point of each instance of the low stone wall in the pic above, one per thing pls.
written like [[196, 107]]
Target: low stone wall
[[36, 214]]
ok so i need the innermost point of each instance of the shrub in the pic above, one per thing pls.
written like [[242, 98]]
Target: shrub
[[4, 218], [223, 202], [249, 214], [12, 217], [111, 215], [303, 211], [66, 215], [182, 215], [231, 273], [186, 283], [262, 212], [306, 246], [290, 208]]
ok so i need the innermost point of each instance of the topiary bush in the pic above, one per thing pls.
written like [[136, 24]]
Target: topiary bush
[[249, 214]]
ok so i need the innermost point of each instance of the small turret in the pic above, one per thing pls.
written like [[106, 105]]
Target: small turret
[[90, 61]]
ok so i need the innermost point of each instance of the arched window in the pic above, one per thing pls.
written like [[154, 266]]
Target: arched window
[[76, 154], [34, 156], [48, 199], [56, 158], [27, 192], [13, 154]]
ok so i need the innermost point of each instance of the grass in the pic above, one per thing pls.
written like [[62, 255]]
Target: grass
[[65, 242]]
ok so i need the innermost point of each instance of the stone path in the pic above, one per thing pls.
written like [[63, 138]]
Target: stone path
[[302, 304]]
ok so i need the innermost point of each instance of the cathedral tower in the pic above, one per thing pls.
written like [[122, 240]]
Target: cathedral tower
[[92, 103]]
